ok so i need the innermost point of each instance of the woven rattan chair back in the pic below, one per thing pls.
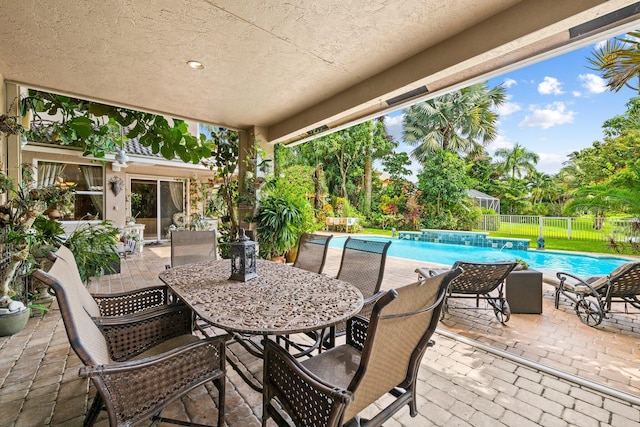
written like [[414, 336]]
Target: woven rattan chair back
[[193, 246], [480, 277], [312, 252], [623, 281], [362, 264], [397, 338]]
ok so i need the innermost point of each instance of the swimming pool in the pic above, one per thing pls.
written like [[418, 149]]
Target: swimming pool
[[441, 253]]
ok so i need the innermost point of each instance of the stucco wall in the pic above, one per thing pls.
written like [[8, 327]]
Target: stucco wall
[[116, 208]]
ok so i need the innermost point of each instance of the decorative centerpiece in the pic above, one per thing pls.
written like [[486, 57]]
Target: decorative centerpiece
[[243, 258]]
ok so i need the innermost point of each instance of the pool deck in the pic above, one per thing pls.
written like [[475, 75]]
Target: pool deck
[[547, 369]]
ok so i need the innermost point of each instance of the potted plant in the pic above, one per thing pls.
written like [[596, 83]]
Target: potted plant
[[25, 235], [95, 249], [279, 221]]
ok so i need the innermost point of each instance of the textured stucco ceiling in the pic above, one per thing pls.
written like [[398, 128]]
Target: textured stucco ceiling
[[286, 67]]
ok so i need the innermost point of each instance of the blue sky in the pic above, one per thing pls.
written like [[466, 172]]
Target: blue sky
[[553, 108]]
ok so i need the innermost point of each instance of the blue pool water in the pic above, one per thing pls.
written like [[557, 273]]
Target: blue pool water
[[581, 265]]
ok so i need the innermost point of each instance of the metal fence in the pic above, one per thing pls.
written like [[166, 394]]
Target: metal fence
[[598, 229]]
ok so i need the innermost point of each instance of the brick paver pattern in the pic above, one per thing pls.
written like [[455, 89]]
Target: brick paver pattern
[[459, 384]]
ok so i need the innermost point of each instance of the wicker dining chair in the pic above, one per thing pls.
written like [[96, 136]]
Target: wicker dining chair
[[312, 252], [594, 296], [382, 356], [188, 246], [478, 282], [139, 363], [115, 304]]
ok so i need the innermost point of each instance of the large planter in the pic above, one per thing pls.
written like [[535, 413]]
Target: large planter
[[14, 322]]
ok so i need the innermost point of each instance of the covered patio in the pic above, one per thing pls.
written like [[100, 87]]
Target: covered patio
[[568, 374], [281, 73], [287, 73]]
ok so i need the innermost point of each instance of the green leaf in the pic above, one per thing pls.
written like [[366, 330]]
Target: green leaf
[[82, 126], [99, 110], [167, 151]]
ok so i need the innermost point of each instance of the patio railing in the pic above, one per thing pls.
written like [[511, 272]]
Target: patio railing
[[597, 229]]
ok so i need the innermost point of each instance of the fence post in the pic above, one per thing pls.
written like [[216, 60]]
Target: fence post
[[541, 225], [569, 228], [613, 230]]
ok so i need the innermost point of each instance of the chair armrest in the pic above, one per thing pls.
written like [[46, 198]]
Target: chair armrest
[[147, 384], [426, 272], [123, 303], [357, 331], [578, 285], [367, 305], [373, 298], [305, 397], [128, 336]]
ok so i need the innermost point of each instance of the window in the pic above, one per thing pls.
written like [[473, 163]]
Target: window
[[88, 199]]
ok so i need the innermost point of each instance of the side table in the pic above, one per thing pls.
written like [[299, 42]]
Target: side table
[[523, 290]]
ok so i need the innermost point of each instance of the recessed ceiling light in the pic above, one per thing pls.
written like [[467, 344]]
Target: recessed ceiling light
[[195, 65]]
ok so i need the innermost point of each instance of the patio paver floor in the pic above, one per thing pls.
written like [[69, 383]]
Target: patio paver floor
[[459, 384]]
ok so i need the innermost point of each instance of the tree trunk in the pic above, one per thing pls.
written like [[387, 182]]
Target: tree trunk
[[317, 184], [367, 182]]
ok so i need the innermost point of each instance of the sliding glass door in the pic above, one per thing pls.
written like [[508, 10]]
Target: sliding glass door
[[153, 203]]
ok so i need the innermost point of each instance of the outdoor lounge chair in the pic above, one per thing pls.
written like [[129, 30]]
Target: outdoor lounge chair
[[593, 296], [139, 363], [478, 281], [382, 356], [188, 246], [312, 252]]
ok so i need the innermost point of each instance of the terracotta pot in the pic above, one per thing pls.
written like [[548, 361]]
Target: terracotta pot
[[280, 259], [291, 254]]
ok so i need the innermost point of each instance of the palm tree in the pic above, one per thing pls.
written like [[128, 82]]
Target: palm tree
[[462, 121], [518, 161], [542, 187], [619, 61]]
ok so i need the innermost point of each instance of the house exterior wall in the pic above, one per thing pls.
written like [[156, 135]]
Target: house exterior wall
[[116, 207]]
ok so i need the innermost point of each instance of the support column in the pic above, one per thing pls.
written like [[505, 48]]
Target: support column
[[253, 149], [13, 147], [3, 139]]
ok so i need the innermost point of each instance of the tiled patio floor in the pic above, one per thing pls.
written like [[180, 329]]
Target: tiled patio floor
[[460, 383]]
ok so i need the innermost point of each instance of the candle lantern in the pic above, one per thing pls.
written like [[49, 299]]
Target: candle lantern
[[243, 259]]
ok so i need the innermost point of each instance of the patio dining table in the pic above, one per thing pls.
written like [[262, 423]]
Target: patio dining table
[[282, 300]]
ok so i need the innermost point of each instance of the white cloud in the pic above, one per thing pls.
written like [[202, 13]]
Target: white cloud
[[600, 44], [593, 83], [549, 116], [501, 141], [508, 108], [576, 93], [509, 82], [394, 126], [550, 163], [550, 86], [390, 121]]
